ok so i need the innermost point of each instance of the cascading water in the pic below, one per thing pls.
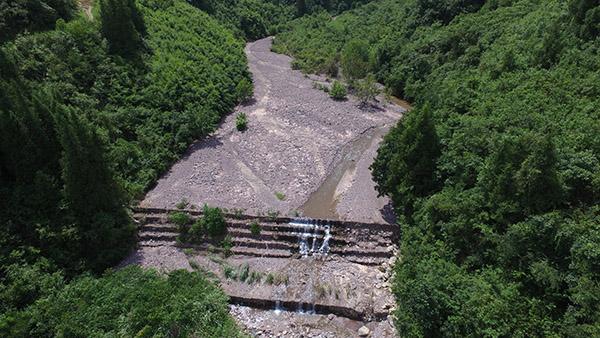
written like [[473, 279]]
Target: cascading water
[[278, 307], [313, 239], [324, 249]]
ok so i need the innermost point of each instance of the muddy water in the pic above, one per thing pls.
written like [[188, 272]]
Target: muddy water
[[323, 202], [401, 103]]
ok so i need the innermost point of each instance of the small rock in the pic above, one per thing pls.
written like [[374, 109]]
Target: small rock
[[363, 331], [331, 316]]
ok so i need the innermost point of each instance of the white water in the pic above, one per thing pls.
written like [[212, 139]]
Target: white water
[[313, 239], [278, 307]]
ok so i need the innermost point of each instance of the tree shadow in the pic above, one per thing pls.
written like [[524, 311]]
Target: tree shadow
[[388, 214]]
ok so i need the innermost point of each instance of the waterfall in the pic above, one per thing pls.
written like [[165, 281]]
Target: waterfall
[[278, 307], [324, 249], [313, 239]]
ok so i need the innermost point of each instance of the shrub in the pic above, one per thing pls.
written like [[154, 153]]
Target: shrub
[[227, 244], [130, 302], [179, 218], [241, 122], [229, 272], [244, 90], [182, 204], [244, 272], [238, 212], [280, 196], [366, 89], [254, 277], [272, 214], [255, 228], [270, 278], [212, 221], [338, 91], [355, 59]]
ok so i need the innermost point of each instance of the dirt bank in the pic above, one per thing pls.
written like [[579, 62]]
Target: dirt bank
[[297, 137]]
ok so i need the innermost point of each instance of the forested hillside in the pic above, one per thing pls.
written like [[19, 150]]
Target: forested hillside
[[495, 174], [92, 111]]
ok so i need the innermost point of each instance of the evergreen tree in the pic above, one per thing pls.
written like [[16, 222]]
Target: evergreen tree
[[405, 164], [300, 7], [586, 17], [122, 26], [521, 178]]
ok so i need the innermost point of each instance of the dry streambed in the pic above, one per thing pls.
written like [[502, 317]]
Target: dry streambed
[[303, 152]]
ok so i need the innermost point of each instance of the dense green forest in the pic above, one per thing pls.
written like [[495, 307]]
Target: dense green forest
[[495, 174], [93, 108]]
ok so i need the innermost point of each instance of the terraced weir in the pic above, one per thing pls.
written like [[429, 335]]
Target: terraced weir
[[310, 267], [281, 237]]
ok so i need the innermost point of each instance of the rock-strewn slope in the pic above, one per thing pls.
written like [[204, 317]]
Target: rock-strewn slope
[[296, 137]]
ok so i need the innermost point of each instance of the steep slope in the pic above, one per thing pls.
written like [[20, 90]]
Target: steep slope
[[501, 208]]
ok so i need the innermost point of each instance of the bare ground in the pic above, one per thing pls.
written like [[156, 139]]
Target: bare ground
[[316, 152], [296, 138]]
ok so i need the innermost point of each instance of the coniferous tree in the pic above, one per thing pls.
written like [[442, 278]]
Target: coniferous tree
[[406, 161], [122, 26], [300, 7]]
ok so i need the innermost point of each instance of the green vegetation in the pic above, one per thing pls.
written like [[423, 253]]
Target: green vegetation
[[495, 174], [366, 89], [122, 26], [338, 91], [182, 204], [227, 244], [255, 228], [179, 304], [146, 112], [92, 111], [280, 196], [180, 218], [248, 19], [241, 122], [213, 221], [355, 59], [32, 16]]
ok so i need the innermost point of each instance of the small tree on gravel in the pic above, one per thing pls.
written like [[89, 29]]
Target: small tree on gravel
[[366, 90], [338, 91], [212, 221], [241, 122]]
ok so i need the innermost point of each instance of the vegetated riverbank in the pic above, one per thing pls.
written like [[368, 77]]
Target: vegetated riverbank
[[495, 173], [297, 137]]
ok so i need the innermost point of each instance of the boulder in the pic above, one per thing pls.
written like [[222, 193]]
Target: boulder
[[363, 331]]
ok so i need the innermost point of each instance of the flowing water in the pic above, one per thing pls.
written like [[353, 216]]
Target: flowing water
[[313, 239], [322, 203]]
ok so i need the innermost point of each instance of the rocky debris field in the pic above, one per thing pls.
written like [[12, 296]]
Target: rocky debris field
[[275, 290], [297, 136], [302, 154]]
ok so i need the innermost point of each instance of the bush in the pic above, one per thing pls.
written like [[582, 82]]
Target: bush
[[255, 228], [241, 122], [366, 89], [180, 218], [227, 244], [130, 302], [244, 90], [355, 59], [182, 204], [338, 91], [213, 221]]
